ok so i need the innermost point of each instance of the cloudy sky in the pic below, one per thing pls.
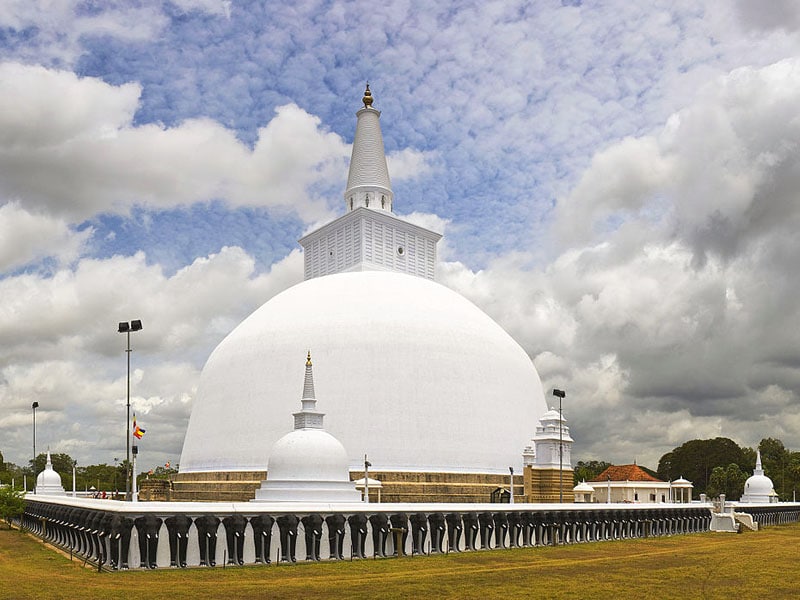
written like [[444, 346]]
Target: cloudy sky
[[617, 184]]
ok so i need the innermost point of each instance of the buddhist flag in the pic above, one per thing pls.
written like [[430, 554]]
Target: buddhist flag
[[138, 432]]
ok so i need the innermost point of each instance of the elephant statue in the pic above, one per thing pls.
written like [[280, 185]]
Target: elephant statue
[[287, 527], [379, 523], [178, 535], [335, 525], [262, 537], [312, 524], [454, 529], [147, 526], [419, 532], [436, 524], [234, 537], [207, 527], [471, 527], [399, 523]]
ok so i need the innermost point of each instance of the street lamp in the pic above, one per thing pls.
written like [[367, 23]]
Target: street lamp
[[34, 406], [126, 327], [367, 465], [560, 394], [511, 485]]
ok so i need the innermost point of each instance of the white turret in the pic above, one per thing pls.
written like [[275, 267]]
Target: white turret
[[369, 237], [547, 442]]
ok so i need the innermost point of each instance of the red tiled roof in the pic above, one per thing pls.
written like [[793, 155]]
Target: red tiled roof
[[625, 473]]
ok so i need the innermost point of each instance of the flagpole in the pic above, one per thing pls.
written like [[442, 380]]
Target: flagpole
[[134, 493]]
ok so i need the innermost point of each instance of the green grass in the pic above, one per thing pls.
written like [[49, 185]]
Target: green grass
[[685, 567]]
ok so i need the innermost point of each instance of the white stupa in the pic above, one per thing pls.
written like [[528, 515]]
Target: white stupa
[[415, 375], [308, 464], [758, 488], [48, 482]]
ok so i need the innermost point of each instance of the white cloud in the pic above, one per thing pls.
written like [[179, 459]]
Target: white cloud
[[25, 238], [59, 345], [62, 26], [74, 152]]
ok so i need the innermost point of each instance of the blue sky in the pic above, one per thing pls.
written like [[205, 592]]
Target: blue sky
[[616, 184]]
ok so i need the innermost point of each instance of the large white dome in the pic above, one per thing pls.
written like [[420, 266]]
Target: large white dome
[[406, 370]]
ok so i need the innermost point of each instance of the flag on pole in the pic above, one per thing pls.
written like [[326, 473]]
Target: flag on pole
[[138, 432], [166, 465]]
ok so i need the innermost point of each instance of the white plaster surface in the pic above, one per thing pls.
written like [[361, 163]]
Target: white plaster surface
[[405, 370]]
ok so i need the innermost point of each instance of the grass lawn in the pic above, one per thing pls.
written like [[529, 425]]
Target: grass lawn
[[685, 567]]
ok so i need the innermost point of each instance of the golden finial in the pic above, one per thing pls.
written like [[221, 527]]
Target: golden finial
[[367, 99], [308, 359]]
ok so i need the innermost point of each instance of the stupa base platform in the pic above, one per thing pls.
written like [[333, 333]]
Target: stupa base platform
[[396, 486]]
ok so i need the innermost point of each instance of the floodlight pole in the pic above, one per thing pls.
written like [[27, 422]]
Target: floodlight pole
[[126, 327], [34, 406], [367, 465], [560, 394]]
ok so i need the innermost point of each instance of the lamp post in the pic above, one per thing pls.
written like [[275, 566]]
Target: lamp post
[[560, 394], [511, 485], [34, 406], [367, 465], [127, 328]]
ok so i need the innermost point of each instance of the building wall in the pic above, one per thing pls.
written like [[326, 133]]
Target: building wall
[[396, 486], [542, 485]]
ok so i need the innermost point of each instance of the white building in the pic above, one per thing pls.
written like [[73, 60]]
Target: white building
[[632, 484], [412, 373]]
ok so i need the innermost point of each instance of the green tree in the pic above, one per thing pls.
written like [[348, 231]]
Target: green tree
[[588, 470], [728, 480], [696, 459], [780, 465], [12, 504]]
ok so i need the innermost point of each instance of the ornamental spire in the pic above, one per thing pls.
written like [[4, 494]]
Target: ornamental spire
[[368, 183], [308, 383], [308, 417], [367, 99]]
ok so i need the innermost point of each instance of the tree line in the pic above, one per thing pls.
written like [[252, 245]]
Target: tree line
[[718, 466], [103, 477]]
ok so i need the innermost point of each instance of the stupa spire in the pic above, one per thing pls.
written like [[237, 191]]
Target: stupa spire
[[308, 383], [758, 470], [368, 182], [308, 417]]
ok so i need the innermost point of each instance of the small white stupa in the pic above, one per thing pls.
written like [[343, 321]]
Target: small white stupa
[[48, 482], [758, 488], [308, 464]]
